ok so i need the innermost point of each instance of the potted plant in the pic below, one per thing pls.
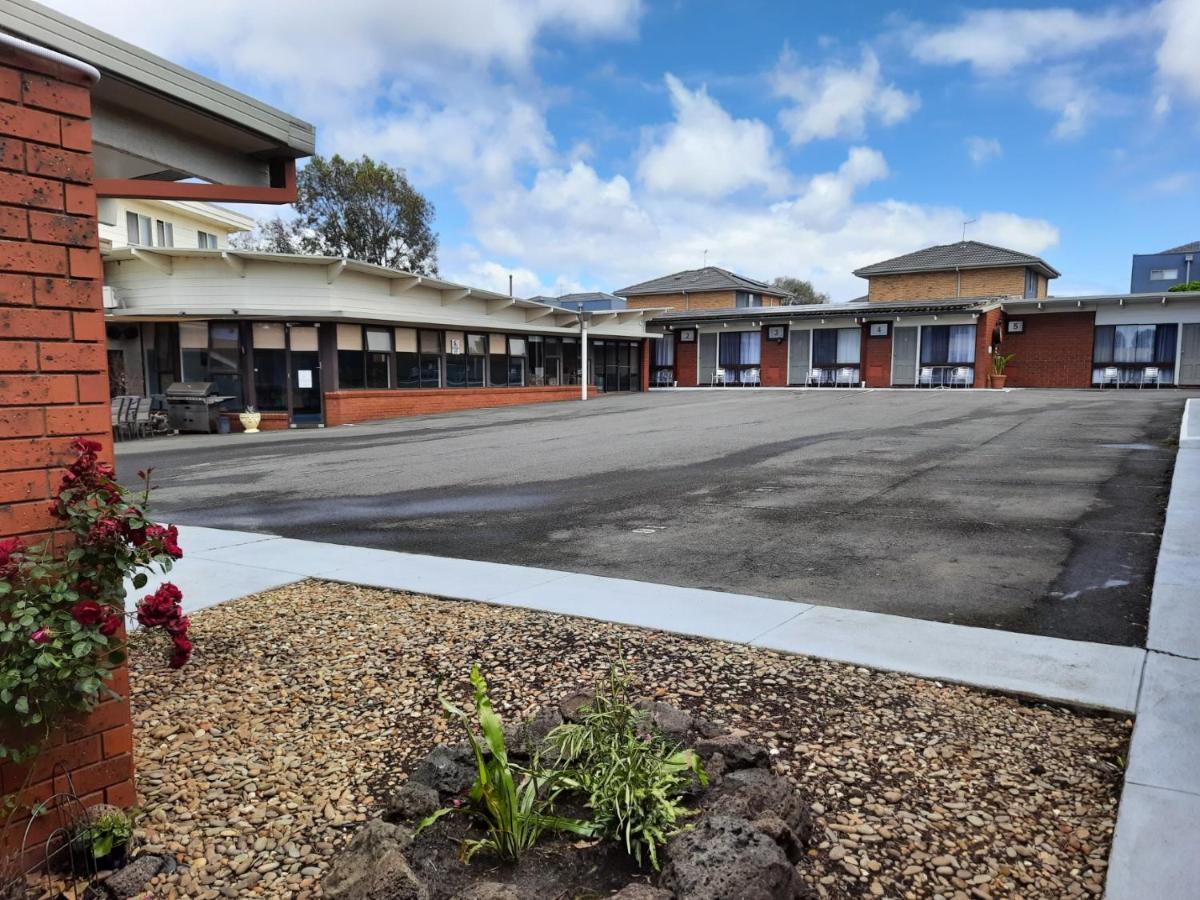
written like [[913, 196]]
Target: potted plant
[[104, 837], [250, 418], [1000, 362]]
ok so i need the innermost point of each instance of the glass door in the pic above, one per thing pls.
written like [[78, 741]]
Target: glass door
[[304, 376]]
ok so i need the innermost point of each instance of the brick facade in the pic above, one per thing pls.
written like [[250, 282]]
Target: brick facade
[[342, 407], [53, 375], [988, 332], [1005, 281], [1055, 350], [692, 300], [685, 361]]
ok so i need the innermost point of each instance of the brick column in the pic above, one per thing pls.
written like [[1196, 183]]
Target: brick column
[[645, 369], [877, 358], [53, 369], [773, 367], [685, 359], [987, 323]]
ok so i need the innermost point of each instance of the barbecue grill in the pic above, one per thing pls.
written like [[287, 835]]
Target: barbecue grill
[[194, 405]]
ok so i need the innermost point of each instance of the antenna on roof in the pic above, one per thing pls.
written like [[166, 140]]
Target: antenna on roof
[[706, 257], [510, 284], [967, 222]]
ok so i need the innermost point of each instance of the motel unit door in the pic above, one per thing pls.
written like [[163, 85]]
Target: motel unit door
[[904, 356], [1189, 356], [798, 355]]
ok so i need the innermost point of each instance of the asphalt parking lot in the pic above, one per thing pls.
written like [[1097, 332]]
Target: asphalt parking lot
[[1034, 511]]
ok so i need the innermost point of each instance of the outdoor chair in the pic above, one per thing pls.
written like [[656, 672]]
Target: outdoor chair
[[118, 406], [141, 417], [816, 378], [844, 376], [961, 377], [926, 377], [718, 377], [1150, 375], [751, 376], [1110, 375]]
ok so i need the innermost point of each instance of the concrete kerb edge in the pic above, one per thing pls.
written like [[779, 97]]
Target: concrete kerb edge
[[1132, 837]]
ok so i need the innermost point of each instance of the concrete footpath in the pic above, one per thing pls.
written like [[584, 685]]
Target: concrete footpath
[[1158, 827], [222, 565]]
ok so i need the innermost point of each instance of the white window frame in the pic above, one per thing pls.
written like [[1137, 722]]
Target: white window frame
[[139, 229], [1164, 274], [164, 231], [206, 240]]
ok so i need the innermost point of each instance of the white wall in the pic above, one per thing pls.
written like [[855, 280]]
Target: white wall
[[206, 286], [1148, 313]]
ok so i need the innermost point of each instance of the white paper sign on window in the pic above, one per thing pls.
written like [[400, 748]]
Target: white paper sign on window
[[304, 378], [456, 347]]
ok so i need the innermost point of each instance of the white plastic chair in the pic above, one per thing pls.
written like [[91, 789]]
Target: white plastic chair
[[718, 377], [845, 375], [751, 376], [961, 377], [816, 377], [1110, 375], [1150, 375], [925, 379]]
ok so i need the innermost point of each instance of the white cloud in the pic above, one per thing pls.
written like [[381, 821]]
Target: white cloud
[[835, 101], [996, 41], [982, 150], [707, 152], [572, 224], [1175, 184], [1075, 99], [1179, 56]]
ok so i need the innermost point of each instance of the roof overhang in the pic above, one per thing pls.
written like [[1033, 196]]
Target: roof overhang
[[155, 123], [1092, 301], [860, 311], [1038, 266]]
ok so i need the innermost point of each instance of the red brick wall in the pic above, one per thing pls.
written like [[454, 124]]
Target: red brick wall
[[774, 365], [1055, 351], [53, 375], [685, 361], [877, 358], [645, 370], [985, 327], [362, 406]]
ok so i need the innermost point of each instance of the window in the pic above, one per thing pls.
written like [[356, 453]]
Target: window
[[744, 298], [948, 345], [270, 366], [1164, 274], [408, 360], [206, 241], [351, 373], [1031, 283], [138, 229], [516, 361], [211, 351], [431, 358], [379, 358], [476, 360], [571, 362], [739, 353], [662, 362], [836, 346], [1131, 349], [497, 360], [165, 232]]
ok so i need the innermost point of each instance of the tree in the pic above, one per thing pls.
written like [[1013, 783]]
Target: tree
[[359, 209], [799, 291]]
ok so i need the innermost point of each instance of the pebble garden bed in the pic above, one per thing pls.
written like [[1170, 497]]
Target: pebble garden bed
[[305, 707]]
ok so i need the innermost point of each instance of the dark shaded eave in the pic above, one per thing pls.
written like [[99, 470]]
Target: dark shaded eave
[[865, 311]]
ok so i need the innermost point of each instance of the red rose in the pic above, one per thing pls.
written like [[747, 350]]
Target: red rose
[[178, 626], [85, 447], [111, 625], [161, 608], [42, 636], [88, 612], [182, 652], [9, 549], [86, 588]]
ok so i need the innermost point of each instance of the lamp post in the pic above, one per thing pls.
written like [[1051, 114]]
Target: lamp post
[[584, 318]]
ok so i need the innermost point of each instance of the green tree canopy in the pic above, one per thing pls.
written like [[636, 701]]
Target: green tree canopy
[[360, 209], [801, 291], [1187, 286]]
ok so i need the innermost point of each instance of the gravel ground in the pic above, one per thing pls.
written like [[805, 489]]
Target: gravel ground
[[303, 705]]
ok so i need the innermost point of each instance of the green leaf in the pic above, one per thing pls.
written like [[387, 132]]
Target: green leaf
[[22, 705], [139, 580]]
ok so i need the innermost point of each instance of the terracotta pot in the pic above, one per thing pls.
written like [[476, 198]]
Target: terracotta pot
[[997, 381], [250, 421]]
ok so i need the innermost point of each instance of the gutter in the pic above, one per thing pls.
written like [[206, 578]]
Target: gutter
[[89, 73]]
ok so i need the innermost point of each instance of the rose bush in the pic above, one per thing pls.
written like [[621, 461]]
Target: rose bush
[[61, 614]]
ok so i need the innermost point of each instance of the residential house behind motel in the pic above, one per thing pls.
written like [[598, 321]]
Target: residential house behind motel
[[937, 317], [707, 288], [1161, 271]]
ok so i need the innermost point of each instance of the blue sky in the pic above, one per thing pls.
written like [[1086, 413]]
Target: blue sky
[[592, 145]]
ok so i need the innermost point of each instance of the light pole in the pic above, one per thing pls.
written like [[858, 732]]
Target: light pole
[[584, 317]]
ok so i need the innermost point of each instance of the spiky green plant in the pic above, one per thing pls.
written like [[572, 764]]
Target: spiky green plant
[[514, 814], [633, 778]]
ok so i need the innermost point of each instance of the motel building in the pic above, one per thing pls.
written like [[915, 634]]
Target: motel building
[[930, 319], [314, 340]]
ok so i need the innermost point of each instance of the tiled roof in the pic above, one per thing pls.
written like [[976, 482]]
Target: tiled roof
[[962, 255], [1193, 247], [710, 278]]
